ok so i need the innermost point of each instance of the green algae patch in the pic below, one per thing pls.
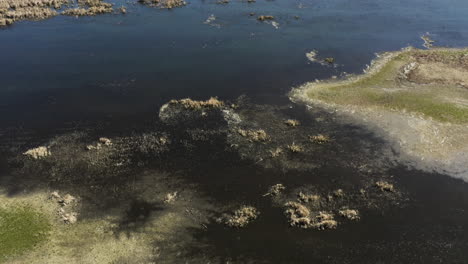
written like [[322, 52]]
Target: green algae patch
[[21, 228], [433, 83]]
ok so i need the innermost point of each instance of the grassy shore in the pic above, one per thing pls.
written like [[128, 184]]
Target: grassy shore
[[433, 83]]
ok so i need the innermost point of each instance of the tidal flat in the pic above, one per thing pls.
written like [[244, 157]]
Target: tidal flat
[[233, 131]]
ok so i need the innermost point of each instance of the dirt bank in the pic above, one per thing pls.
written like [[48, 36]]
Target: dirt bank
[[416, 99]]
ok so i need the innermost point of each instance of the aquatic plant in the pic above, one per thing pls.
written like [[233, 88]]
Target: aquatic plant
[[350, 214], [188, 103], [320, 139], [295, 148], [275, 190], [38, 153], [265, 18], [292, 122], [385, 186], [258, 135], [276, 152], [169, 4], [240, 217]]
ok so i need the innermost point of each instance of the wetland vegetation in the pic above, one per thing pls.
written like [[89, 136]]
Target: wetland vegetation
[[173, 136]]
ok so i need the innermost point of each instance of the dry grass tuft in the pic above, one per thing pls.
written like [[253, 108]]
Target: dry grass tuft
[[169, 4], [275, 190], [350, 214], [306, 198], [254, 135], [240, 217], [188, 103], [300, 216], [265, 18], [38, 153], [295, 148], [385, 186], [292, 122], [320, 139], [276, 152]]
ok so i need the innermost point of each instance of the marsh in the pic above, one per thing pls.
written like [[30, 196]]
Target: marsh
[[170, 132]]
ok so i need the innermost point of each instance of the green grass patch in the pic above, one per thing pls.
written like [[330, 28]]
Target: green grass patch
[[383, 89], [21, 228]]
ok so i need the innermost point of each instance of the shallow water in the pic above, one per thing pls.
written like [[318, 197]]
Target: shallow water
[[111, 73]]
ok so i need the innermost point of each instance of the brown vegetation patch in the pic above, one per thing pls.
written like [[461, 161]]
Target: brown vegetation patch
[[385, 186], [254, 135], [295, 148], [350, 214], [169, 4], [188, 103], [300, 216], [320, 139], [292, 122], [265, 18], [240, 217], [275, 189]]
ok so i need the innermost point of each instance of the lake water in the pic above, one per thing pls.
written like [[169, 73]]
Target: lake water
[[115, 71]]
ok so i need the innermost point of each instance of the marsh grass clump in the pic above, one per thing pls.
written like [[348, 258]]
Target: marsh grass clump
[[21, 228], [240, 217], [292, 122], [338, 193], [329, 60], [324, 220], [350, 214], [276, 152], [275, 190], [38, 153], [168, 4], [265, 18], [252, 135], [296, 148], [300, 216], [307, 198], [188, 103], [385, 186], [320, 139], [31, 13]]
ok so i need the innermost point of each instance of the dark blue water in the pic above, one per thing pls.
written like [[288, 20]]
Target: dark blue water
[[113, 66]]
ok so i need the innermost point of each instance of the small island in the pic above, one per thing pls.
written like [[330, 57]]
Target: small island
[[417, 98]]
